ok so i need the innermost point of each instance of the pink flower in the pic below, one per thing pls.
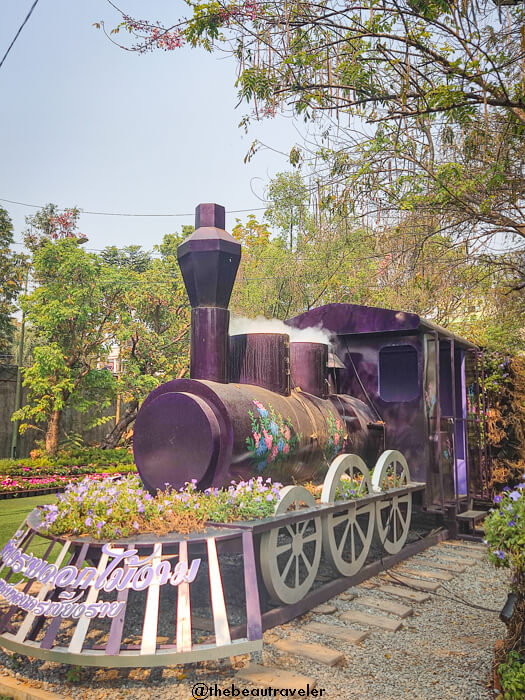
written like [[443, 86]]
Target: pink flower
[[275, 450], [268, 439], [336, 439], [286, 449], [257, 439], [286, 433]]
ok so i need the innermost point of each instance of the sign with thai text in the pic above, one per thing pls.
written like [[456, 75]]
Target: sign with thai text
[[124, 569]]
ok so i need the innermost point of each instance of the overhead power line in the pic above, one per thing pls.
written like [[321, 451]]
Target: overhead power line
[[107, 213], [18, 32]]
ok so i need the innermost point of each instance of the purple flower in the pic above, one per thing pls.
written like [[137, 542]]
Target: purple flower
[[141, 508], [499, 553], [506, 488], [88, 522], [512, 523], [515, 495], [498, 499], [136, 525]]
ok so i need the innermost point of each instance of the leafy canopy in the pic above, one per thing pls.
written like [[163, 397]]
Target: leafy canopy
[[411, 105], [12, 273]]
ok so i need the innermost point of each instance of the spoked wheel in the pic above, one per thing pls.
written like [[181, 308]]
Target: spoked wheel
[[347, 534], [290, 554], [393, 514]]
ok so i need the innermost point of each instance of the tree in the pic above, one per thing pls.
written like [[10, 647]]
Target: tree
[[72, 310], [338, 260], [52, 224], [433, 91], [128, 258], [288, 208], [153, 326], [11, 279]]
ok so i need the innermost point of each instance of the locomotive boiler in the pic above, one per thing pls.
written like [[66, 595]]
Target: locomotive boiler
[[255, 403]]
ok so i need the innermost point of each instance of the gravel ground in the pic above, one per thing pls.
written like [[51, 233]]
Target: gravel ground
[[443, 651]]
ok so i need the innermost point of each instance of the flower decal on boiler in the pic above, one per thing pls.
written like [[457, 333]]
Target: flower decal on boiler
[[273, 438], [336, 437]]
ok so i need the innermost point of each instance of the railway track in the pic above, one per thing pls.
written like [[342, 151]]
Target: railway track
[[382, 610]]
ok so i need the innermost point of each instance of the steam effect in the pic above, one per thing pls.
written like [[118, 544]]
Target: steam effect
[[315, 334]]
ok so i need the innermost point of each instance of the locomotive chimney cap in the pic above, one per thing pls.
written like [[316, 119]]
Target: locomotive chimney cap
[[210, 215], [209, 259]]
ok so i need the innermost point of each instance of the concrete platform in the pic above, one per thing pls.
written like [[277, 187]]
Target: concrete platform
[[308, 650], [379, 621], [275, 677], [405, 593], [424, 573], [384, 605], [453, 568], [344, 634], [417, 583]]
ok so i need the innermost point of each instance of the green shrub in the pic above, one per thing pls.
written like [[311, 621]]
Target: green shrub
[[512, 676], [94, 455], [505, 530], [78, 457]]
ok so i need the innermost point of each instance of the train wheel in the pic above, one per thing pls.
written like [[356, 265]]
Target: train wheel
[[394, 513], [347, 534], [290, 554]]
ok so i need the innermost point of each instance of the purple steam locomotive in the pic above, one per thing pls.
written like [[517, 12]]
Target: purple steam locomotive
[[258, 404]]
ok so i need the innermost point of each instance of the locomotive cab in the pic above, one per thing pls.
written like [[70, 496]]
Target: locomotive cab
[[423, 384]]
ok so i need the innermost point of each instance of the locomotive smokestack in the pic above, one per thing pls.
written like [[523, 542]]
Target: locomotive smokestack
[[209, 260]]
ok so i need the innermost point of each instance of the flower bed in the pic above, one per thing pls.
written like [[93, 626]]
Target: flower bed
[[43, 474], [27, 481], [20, 485], [348, 489], [505, 530], [68, 471], [505, 536], [110, 510]]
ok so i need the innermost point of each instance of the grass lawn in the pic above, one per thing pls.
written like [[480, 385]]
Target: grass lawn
[[12, 513]]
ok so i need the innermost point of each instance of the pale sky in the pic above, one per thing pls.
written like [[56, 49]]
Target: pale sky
[[84, 123]]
